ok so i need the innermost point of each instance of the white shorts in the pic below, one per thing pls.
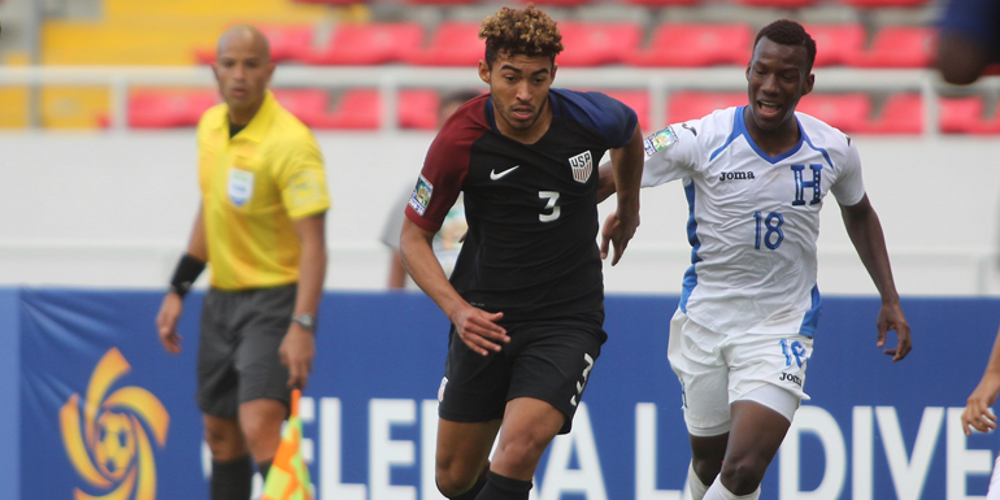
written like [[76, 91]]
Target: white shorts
[[716, 369]]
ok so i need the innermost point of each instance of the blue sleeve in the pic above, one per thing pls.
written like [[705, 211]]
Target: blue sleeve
[[608, 116], [977, 20]]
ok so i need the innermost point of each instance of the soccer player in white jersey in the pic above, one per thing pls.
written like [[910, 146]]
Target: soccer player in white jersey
[[755, 177]]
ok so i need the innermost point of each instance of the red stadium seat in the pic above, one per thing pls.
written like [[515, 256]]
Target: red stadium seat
[[444, 3], [695, 45], [901, 114], [308, 105], [366, 44], [418, 108], [453, 43], [558, 3], [594, 44], [848, 112], [361, 109], [688, 105], [965, 116], [287, 42], [333, 2], [638, 100], [781, 4], [836, 44], [661, 3], [165, 108], [878, 4], [899, 47]]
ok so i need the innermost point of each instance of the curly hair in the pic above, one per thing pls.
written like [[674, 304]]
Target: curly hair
[[528, 31], [786, 32]]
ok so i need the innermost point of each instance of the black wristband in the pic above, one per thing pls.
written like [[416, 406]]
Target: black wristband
[[188, 270]]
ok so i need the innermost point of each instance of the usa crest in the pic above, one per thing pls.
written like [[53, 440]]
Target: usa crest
[[582, 165]]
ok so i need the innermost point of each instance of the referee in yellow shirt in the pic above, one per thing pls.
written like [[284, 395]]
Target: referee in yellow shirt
[[261, 227]]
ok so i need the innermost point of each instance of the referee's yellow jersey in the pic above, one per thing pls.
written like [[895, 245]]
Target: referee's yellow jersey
[[253, 186]]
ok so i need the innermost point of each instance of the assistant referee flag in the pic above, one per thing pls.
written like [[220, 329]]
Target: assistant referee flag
[[288, 478]]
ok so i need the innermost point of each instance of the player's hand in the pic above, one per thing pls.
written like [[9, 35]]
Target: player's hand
[[977, 414], [166, 322], [618, 230], [890, 317], [479, 330], [297, 351]]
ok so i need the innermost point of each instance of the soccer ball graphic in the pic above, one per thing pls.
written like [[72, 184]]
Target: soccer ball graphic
[[115, 447]]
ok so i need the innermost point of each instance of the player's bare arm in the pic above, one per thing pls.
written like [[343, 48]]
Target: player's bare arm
[[865, 230], [476, 327], [173, 303], [299, 345], [977, 414], [626, 167]]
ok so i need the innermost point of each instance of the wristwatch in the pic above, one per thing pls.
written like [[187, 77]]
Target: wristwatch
[[305, 320]]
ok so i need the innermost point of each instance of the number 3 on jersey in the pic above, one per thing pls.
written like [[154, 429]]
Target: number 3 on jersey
[[552, 197]]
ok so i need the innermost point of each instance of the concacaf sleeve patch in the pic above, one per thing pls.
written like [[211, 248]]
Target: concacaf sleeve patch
[[660, 140], [421, 196]]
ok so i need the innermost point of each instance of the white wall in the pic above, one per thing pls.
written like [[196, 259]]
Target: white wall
[[115, 210]]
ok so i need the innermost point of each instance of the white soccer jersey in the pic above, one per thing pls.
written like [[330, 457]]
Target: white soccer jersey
[[754, 218]]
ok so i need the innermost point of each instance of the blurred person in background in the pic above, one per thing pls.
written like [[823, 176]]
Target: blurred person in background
[[755, 177], [979, 416], [261, 228], [968, 39], [526, 298], [448, 241]]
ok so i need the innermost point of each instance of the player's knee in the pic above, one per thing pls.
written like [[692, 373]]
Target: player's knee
[[743, 476], [706, 469], [451, 482]]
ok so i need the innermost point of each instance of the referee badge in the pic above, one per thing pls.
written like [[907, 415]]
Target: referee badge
[[660, 140], [240, 187], [582, 165]]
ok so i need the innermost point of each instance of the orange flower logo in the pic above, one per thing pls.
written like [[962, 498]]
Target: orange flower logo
[[111, 450]]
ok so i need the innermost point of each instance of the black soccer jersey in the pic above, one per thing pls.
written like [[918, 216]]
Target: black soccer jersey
[[531, 250]]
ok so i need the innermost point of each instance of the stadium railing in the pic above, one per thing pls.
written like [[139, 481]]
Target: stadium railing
[[658, 82]]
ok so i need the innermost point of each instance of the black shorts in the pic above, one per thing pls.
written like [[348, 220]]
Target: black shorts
[[550, 360], [238, 357]]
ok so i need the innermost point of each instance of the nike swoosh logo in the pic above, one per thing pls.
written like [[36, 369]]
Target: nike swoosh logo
[[494, 175]]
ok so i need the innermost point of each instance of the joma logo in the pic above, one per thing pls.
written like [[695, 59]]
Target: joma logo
[[735, 176]]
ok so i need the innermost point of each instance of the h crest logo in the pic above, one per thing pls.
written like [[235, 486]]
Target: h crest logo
[[582, 165]]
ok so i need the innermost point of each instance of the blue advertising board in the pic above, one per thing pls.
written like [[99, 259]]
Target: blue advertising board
[[104, 412]]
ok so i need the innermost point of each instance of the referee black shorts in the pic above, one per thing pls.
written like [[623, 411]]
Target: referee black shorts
[[238, 358], [549, 359]]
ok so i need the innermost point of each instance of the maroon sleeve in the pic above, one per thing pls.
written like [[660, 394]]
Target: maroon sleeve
[[446, 166]]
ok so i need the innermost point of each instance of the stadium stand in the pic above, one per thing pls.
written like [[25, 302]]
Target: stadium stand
[[366, 44], [287, 43], [848, 112], [595, 44], [165, 108], [691, 104], [902, 113], [964, 115], [836, 44], [898, 47], [453, 43], [694, 45]]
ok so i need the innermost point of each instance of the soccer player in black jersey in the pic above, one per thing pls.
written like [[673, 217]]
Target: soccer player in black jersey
[[526, 296]]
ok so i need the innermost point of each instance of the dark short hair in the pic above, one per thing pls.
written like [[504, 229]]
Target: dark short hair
[[459, 96], [528, 31], [787, 32]]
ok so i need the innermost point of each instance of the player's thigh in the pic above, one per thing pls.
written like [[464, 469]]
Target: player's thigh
[[553, 361], [474, 387], [217, 376], [463, 448], [696, 357], [263, 319], [769, 369]]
